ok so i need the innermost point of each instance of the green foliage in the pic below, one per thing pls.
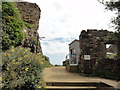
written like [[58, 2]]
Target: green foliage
[[104, 73], [34, 41], [111, 38], [12, 25], [46, 58], [0, 11], [21, 68], [28, 25], [57, 65], [47, 62], [114, 5], [107, 68]]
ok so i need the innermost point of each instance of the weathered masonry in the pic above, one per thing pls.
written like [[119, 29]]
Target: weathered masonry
[[92, 49], [85, 53]]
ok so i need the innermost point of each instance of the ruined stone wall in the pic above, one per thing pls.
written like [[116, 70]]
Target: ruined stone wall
[[30, 13], [91, 43]]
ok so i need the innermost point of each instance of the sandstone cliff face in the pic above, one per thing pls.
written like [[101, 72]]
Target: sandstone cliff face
[[30, 13]]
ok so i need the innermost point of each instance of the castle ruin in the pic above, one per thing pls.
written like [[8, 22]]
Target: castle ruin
[[92, 49]]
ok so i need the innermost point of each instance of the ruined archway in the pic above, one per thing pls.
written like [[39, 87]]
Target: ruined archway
[[93, 49], [93, 53]]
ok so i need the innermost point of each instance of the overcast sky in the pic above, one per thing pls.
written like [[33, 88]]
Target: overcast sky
[[62, 21]]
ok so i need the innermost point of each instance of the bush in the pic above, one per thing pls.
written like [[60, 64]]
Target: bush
[[21, 69], [104, 73], [46, 58], [46, 62], [57, 65]]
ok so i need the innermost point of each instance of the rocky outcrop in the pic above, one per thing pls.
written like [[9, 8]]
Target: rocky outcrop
[[30, 13]]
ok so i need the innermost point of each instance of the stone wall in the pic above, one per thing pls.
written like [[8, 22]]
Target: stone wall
[[30, 13], [72, 68], [91, 43]]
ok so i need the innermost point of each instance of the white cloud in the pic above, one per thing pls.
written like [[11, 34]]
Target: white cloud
[[55, 47], [66, 19]]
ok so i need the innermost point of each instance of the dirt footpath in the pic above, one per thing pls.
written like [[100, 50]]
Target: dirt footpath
[[59, 74]]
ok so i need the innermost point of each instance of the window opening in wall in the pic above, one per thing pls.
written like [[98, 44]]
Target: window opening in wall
[[71, 51], [73, 59], [111, 51]]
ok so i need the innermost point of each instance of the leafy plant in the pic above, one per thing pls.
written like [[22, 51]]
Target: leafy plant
[[12, 26], [104, 73], [46, 58], [47, 62], [28, 25], [21, 68], [111, 38], [107, 68]]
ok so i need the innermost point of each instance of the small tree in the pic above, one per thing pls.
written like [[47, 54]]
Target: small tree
[[114, 5]]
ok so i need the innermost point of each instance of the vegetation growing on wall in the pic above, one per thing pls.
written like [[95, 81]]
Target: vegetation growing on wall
[[12, 26], [108, 68], [47, 61], [111, 38], [114, 5], [21, 69]]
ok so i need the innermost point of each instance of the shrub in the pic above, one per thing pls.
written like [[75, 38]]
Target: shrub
[[57, 65], [46, 62], [46, 58], [105, 74], [107, 68], [21, 68]]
